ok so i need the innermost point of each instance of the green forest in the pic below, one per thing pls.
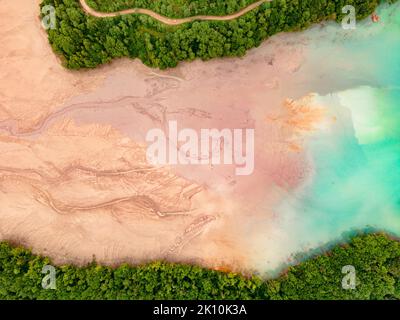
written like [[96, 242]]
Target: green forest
[[174, 8], [375, 257], [84, 41]]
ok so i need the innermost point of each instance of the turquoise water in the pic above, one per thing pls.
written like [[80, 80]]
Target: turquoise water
[[357, 166], [355, 182]]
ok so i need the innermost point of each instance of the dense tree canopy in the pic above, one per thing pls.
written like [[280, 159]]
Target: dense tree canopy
[[86, 41], [375, 257]]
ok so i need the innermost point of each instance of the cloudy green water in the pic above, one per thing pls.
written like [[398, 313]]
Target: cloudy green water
[[356, 161], [356, 180]]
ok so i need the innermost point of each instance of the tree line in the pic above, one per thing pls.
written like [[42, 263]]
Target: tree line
[[84, 41], [375, 258]]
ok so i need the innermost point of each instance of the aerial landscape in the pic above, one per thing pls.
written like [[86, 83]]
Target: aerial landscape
[[194, 149]]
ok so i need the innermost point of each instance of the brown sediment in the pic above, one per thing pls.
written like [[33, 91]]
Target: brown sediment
[[375, 18]]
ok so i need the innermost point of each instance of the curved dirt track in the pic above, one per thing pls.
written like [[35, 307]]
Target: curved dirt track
[[166, 20]]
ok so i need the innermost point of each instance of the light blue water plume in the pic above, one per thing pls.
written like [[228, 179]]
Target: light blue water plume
[[356, 162]]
